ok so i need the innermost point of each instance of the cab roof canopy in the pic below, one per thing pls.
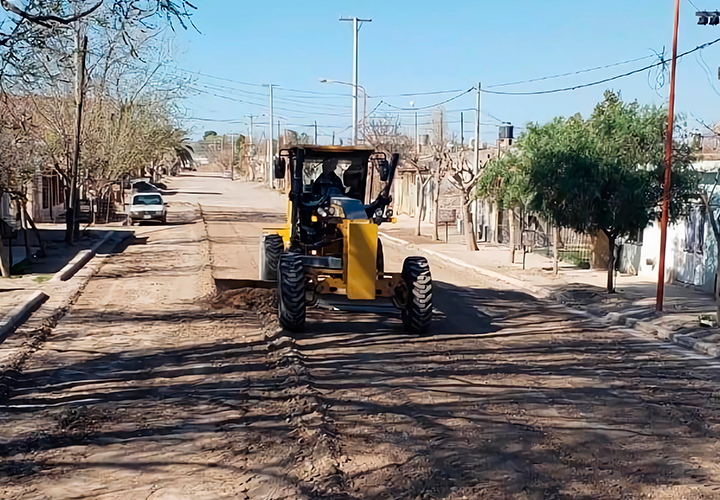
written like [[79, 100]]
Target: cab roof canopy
[[335, 151]]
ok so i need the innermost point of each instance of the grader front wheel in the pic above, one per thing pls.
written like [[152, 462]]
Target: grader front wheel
[[291, 292], [271, 247]]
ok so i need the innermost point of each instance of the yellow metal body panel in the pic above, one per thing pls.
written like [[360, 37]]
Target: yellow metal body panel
[[283, 231], [360, 258]]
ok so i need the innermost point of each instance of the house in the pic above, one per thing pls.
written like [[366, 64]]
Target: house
[[691, 249]]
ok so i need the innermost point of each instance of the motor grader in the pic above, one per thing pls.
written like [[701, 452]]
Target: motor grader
[[330, 243]]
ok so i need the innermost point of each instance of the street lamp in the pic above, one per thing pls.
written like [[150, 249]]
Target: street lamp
[[357, 23], [325, 80]]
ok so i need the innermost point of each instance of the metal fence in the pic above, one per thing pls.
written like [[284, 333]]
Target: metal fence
[[574, 247]]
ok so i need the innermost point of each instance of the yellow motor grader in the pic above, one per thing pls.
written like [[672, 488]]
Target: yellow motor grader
[[330, 244]]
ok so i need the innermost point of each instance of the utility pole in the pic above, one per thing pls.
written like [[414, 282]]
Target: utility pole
[[251, 126], [270, 148], [278, 136], [315, 133], [357, 23], [232, 158], [71, 226], [333, 139], [417, 138], [668, 167], [477, 130], [462, 130], [476, 167]]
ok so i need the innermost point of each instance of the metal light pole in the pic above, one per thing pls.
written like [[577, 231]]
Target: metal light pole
[[355, 87], [668, 168], [357, 23]]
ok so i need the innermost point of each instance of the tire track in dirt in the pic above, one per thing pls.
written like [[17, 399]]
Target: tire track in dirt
[[316, 469]]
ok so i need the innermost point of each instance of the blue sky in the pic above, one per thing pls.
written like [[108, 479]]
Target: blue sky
[[422, 46]]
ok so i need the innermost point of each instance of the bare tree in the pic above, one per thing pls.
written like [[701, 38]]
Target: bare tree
[[462, 178]]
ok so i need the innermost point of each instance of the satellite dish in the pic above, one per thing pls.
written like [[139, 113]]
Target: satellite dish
[[412, 103]]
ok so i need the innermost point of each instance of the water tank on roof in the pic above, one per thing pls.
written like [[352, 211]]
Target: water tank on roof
[[424, 139], [506, 131]]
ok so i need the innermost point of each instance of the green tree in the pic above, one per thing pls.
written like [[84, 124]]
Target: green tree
[[606, 174], [209, 134], [505, 181]]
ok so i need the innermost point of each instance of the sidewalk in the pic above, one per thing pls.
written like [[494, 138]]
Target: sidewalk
[[633, 304]]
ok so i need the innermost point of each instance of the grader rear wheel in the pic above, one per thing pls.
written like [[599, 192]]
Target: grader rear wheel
[[416, 303]]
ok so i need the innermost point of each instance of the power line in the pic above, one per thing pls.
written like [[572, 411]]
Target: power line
[[412, 94], [571, 73], [431, 105], [604, 80]]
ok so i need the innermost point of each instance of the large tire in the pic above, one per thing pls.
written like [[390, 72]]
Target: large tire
[[291, 292], [417, 309], [380, 258], [271, 247]]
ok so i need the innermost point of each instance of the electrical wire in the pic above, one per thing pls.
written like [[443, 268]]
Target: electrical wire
[[413, 94], [662, 62], [431, 105], [571, 73]]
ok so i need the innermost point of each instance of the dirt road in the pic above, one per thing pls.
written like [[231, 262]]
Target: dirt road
[[149, 389]]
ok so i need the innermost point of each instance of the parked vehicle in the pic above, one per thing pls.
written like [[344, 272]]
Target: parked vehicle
[[147, 206], [143, 186]]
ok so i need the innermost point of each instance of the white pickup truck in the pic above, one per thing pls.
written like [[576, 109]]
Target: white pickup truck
[[148, 206]]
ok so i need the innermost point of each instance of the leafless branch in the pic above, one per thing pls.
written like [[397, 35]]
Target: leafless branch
[[47, 20]]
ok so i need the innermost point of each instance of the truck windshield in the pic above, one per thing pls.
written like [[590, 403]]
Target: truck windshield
[[147, 199]]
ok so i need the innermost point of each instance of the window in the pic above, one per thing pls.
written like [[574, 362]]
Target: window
[[695, 231], [147, 199]]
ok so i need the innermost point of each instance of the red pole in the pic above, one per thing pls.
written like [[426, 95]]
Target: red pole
[[668, 167]]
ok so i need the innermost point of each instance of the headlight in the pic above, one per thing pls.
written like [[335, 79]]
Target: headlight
[[321, 212], [378, 213], [337, 211]]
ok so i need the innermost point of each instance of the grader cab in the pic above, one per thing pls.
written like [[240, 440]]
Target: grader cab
[[330, 242]]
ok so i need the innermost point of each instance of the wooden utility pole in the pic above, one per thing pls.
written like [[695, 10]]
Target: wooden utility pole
[[71, 216], [668, 168], [315, 132]]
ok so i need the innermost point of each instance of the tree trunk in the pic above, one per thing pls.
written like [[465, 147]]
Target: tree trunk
[[4, 260], [36, 231], [556, 243], [611, 263], [436, 208], [511, 220], [470, 240], [421, 202], [717, 283], [24, 224]]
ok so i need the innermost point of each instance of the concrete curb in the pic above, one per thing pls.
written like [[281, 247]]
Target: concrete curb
[[624, 318], [535, 291], [84, 256], [20, 312]]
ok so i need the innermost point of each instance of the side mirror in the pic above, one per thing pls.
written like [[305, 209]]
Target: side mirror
[[384, 170], [279, 167]]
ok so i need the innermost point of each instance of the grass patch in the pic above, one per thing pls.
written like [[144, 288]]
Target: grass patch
[[42, 278], [576, 258]]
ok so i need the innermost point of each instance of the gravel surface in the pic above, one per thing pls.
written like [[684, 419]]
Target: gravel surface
[[154, 386]]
